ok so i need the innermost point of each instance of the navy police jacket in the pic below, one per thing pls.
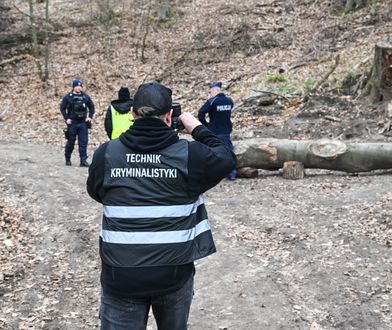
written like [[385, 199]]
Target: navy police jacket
[[218, 109], [155, 223]]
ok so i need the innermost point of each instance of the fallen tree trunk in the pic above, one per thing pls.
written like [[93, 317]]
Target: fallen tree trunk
[[271, 154]]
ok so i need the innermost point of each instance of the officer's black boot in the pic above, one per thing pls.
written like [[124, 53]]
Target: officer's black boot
[[84, 164], [68, 162]]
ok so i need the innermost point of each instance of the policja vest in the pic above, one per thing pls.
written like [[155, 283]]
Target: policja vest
[[148, 218], [120, 122], [78, 108]]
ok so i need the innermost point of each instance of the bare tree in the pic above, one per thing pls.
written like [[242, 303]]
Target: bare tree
[[146, 30], [43, 73], [46, 65], [34, 39]]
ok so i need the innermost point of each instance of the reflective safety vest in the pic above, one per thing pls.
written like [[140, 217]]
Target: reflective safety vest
[[120, 122], [148, 217]]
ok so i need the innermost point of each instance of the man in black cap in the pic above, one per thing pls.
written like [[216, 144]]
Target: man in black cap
[[155, 223], [218, 107], [118, 115], [77, 109]]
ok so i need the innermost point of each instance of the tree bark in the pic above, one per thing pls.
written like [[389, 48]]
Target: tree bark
[[34, 41], [46, 63], [379, 86], [271, 154]]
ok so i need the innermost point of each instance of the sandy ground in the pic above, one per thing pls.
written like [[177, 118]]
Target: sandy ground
[[308, 254]]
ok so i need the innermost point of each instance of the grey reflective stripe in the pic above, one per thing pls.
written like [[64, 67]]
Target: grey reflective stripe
[[155, 237], [134, 212]]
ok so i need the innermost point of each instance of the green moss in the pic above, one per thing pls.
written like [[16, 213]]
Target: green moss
[[309, 83], [277, 78]]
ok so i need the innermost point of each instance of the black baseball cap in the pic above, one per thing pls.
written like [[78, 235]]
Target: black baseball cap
[[153, 95]]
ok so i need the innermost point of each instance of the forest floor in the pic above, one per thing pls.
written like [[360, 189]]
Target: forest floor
[[311, 254]]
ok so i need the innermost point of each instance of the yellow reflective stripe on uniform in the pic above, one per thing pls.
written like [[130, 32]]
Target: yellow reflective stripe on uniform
[[135, 212], [160, 237], [120, 122]]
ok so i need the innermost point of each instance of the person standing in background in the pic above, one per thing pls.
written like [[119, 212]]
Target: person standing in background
[[77, 109], [219, 107], [118, 115]]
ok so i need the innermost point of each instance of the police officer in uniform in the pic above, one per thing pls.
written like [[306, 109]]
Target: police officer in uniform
[[77, 109], [218, 107], [155, 224], [118, 115]]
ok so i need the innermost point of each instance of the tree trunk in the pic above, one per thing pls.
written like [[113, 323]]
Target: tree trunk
[[354, 4], [247, 172], [34, 38], [46, 63], [380, 83], [271, 154], [147, 28]]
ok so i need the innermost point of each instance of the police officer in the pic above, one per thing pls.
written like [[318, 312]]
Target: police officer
[[77, 109], [118, 115], [155, 223], [218, 107]]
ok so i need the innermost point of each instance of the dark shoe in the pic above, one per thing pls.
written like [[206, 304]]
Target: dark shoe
[[84, 164], [68, 163], [232, 176]]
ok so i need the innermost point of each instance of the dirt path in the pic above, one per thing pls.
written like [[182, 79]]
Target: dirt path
[[309, 254]]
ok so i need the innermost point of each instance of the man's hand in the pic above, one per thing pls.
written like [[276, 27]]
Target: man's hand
[[189, 121], [88, 120], [68, 121]]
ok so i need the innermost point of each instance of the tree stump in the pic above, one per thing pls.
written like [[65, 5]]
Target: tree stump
[[293, 170], [379, 86], [247, 172], [354, 4]]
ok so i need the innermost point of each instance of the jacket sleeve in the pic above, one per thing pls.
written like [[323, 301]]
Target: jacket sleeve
[[96, 174], [202, 113], [90, 106], [63, 107], [108, 123], [210, 160]]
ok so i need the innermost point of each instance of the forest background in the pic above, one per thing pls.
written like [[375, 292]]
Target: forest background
[[309, 254]]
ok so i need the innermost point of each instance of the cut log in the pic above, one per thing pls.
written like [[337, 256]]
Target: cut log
[[271, 154], [293, 170]]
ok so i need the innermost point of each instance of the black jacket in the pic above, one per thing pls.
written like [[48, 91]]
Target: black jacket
[[218, 109], [122, 106], [66, 106], [209, 162]]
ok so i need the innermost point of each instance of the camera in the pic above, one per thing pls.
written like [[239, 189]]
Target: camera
[[176, 122]]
